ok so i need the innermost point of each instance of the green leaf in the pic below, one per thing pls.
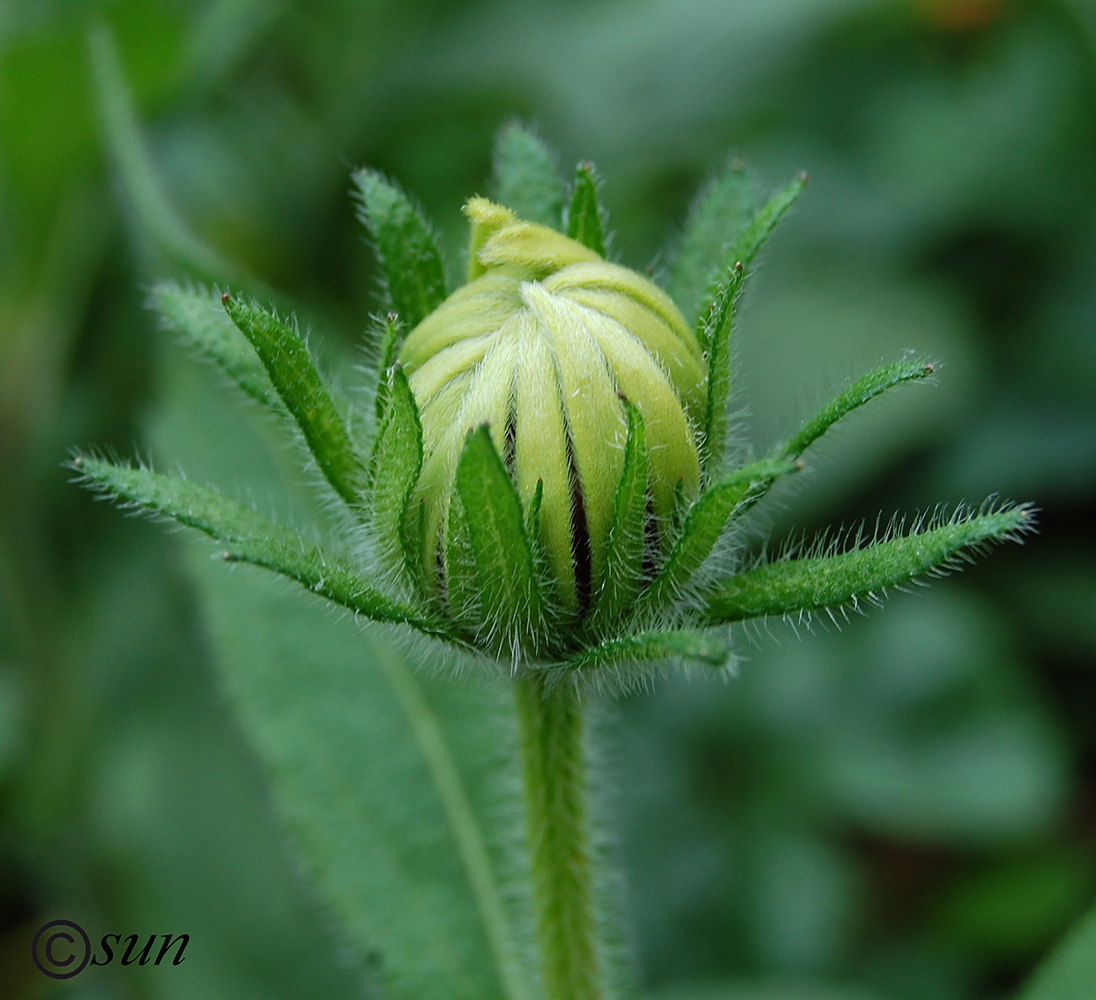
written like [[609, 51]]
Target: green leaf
[[394, 785], [287, 362], [715, 222], [623, 574], [394, 469], [1071, 969], [811, 583], [656, 645], [526, 178], [122, 132], [865, 388], [585, 221], [703, 526], [408, 252], [200, 318], [247, 536], [778, 987], [509, 592]]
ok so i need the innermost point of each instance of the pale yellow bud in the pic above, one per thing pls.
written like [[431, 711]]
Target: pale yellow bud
[[546, 345]]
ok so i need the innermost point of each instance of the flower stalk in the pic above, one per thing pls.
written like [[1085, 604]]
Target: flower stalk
[[552, 727]]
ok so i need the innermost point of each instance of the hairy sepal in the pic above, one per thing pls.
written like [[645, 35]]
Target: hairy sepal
[[715, 325], [623, 577], [301, 389], [864, 389], [654, 646], [246, 536], [526, 178], [386, 358], [585, 216], [394, 468], [798, 586], [405, 245], [509, 592], [716, 220], [703, 526], [859, 392], [197, 316]]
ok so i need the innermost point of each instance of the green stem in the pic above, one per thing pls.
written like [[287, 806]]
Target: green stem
[[551, 718]]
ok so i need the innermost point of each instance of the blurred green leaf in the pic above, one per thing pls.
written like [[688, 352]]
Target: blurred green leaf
[[776, 989], [1071, 971], [384, 778], [1017, 907], [122, 132]]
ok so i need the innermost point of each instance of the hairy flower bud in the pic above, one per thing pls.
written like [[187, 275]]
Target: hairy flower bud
[[547, 345]]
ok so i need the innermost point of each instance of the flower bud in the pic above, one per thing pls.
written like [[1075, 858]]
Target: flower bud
[[547, 345]]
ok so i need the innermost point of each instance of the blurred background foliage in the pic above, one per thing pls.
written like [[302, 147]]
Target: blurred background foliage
[[903, 810]]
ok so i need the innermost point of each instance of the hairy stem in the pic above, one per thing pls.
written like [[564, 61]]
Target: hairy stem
[[552, 725]]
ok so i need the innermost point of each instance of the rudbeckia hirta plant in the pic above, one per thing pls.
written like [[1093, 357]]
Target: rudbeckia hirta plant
[[541, 479]]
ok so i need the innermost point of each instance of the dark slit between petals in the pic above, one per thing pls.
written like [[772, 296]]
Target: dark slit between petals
[[580, 534]]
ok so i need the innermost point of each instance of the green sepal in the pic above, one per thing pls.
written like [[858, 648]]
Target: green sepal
[[526, 178], [532, 533], [408, 253], [790, 587], [865, 388], [532, 518], [677, 518], [414, 527], [246, 536], [715, 222], [715, 338], [287, 362], [508, 588], [755, 479], [647, 646], [623, 575], [394, 467], [585, 218], [714, 327], [760, 227], [386, 358], [198, 316], [704, 524], [462, 590]]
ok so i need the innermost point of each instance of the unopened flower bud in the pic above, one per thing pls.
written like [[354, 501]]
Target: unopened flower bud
[[547, 345]]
